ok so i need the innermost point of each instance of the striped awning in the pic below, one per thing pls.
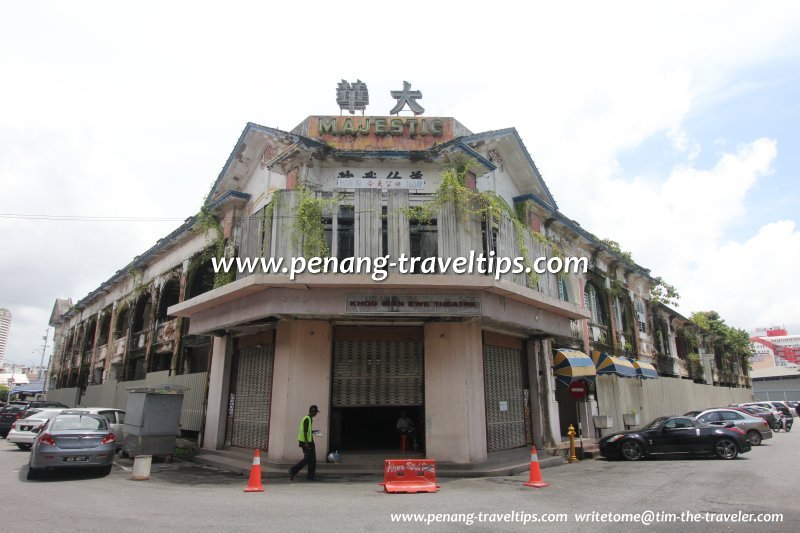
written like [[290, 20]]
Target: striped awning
[[644, 370], [572, 365], [609, 364]]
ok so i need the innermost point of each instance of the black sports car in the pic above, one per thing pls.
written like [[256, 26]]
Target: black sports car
[[675, 434]]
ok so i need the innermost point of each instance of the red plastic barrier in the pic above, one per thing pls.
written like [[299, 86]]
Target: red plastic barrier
[[409, 475]]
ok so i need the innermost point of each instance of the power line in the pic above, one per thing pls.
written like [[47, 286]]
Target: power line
[[82, 218]]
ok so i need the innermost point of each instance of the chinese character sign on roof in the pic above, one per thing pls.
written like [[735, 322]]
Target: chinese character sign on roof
[[407, 96], [352, 96]]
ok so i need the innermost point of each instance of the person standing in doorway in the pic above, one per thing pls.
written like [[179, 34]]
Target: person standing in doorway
[[306, 441]]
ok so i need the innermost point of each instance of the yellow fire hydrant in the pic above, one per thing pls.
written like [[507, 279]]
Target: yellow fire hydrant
[[571, 433]]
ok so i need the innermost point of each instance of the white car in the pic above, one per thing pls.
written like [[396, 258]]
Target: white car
[[115, 417], [25, 430]]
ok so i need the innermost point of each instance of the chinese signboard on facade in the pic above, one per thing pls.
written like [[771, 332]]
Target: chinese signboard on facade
[[414, 304], [373, 180]]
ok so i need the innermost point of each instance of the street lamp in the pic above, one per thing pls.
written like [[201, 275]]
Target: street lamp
[[44, 348]]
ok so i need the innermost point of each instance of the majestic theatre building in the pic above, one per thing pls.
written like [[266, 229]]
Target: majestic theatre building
[[469, 356]]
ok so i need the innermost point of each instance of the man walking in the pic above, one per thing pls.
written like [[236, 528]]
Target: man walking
[[306, 441]]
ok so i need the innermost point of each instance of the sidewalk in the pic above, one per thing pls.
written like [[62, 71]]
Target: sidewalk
[[502, 463]]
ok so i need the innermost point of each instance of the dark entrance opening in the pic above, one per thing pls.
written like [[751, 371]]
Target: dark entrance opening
[[374, 428]]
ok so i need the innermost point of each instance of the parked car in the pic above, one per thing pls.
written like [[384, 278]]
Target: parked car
[[760, 412], [766, 405], [779, 406], [16, 409], [675, 434], [73, 440], [756, 429], [24, 430], [115, 418]]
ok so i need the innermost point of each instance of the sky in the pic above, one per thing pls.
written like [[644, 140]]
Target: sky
[[670, 128]]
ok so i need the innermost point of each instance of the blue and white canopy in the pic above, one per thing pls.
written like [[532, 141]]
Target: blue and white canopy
[[609, 364], [572, 365]]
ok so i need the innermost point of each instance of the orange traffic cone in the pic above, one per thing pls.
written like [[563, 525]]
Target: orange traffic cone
[[254, 484], [535, 478]]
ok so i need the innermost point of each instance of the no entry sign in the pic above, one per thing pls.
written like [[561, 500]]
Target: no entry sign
[[579, 389]]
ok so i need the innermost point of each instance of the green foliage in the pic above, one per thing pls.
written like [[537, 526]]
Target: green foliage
[[308, 231], [732, 344], [4, 390], [664, 292], [206, 221], [695, 363], [614, 247]]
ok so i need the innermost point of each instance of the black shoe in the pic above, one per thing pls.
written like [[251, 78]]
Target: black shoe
[[312, 478], [291, 475]]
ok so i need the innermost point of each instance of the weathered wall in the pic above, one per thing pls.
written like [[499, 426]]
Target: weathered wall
[[301, 378], [115, 394], [660, 397], [455, 410]]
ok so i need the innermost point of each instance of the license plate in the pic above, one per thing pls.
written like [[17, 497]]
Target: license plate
[[76, 459]]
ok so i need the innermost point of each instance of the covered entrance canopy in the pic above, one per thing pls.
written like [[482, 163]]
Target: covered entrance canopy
[[572, 365], [645, 370], [609, 364]]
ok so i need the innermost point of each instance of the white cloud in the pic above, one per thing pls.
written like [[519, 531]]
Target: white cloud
[[108, 110]]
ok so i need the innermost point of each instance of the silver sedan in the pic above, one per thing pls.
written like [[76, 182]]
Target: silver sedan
[[755, 428], [73, 441]]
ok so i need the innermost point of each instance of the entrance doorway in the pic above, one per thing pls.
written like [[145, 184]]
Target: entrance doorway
[[377, 373]]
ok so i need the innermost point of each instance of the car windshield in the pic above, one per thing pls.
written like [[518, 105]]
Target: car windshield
[[78, 422], [41, 415], [656, 423]]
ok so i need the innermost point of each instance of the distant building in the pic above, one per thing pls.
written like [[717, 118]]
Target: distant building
[[774, 347], [5, 326]]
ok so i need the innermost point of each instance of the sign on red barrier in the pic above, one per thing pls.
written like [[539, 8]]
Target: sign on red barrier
[[409, 475]]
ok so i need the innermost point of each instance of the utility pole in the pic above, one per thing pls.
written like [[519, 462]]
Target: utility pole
[[44, 348]]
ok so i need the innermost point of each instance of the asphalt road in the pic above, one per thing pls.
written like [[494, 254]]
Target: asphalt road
[[185, 497]]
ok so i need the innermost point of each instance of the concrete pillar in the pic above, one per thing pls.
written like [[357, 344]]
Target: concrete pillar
[[455, 411], [547, 394], [219, 382], [302, 377]]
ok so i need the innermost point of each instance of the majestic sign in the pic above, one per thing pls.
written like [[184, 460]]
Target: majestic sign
[[411, 127], [427, 304], [372, 180], [352, 96], [407, 96]]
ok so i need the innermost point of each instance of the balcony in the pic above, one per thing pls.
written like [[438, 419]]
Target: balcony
[[576, 328], [118, 350], [165, 331], [598, 333]]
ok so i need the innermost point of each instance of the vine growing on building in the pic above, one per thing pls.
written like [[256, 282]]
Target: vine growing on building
[[469, 204], [206, 221], [308, 229]]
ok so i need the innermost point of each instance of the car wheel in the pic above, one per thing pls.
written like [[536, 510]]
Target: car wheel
[[23, 446], [631, 450], [726, 449], [106, 470], [33, 473], [754, 437]]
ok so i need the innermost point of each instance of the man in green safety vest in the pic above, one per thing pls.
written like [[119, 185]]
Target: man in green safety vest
[[306, 440]]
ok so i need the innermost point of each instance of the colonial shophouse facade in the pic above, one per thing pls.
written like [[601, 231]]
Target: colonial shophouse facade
[[473, 358]]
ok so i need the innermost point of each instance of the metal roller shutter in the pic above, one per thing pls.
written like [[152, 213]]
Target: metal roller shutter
[[504, 398], [377, 373], [251, 404]]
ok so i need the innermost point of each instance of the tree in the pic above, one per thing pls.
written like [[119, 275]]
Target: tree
[[730, 344], [664, 292], [4, 393]]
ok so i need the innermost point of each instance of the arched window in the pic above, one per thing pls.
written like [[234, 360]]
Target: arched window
[[563, 289], [592, 303], [141, 313], [201, 279], [170, 295], [641, 317], [121, 324]]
